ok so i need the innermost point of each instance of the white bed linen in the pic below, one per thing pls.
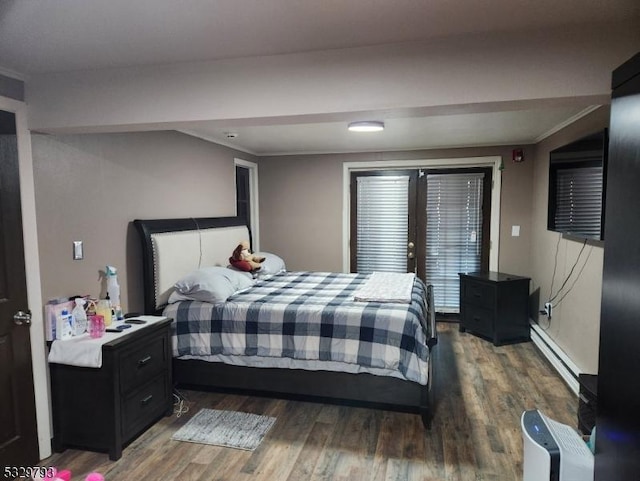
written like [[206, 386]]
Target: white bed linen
[[386, 287]]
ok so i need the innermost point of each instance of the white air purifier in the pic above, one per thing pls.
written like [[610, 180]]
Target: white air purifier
[[553, 451]]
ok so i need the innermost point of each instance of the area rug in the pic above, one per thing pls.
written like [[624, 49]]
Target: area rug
[[231, 429]]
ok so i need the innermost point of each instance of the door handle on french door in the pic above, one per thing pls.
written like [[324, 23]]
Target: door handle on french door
[[22, 317], [411, 245], [410, 255]]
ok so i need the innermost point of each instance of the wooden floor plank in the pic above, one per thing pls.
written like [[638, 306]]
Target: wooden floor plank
[[481, 393]]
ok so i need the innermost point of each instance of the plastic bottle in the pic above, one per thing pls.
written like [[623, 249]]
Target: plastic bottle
[[64, 328], [103, 308], [113, 290], [79, 317]]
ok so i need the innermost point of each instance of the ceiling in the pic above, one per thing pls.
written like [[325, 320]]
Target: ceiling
[[40, 36], [405, 133]]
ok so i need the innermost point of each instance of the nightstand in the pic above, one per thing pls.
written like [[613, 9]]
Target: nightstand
[[495, 306], [103, 409]]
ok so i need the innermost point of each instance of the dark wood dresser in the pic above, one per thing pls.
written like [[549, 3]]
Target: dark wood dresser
[[495, 306], [103, 409]]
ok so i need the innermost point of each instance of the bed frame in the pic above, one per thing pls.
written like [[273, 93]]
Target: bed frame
[[201, 242]]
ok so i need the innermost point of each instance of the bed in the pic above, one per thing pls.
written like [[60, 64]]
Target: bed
[[292, 331]]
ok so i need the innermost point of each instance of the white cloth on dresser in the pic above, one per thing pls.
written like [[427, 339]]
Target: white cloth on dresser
[[83, 351]]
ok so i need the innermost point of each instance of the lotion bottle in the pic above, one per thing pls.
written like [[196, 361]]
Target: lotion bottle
[[64, 329]]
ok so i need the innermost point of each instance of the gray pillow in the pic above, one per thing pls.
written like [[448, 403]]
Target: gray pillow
[[271, 265], [210, 284]]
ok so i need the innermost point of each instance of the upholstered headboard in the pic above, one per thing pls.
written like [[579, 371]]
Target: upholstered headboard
[[171, 248]]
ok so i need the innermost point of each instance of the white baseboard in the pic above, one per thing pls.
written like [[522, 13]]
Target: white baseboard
[[557, 357]]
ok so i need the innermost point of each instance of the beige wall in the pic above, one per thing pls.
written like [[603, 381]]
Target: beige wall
[[301, 205], [90, 188], [301, 219], [575, 324]]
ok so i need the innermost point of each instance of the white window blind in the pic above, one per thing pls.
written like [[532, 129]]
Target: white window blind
[[579, 201], [382, 223], [454, 234]]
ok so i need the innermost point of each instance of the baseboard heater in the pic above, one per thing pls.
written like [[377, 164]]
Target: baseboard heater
[[558, 359]]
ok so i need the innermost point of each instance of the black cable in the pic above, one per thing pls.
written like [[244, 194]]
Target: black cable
[[570, 272], [577, 277], [541, 326]]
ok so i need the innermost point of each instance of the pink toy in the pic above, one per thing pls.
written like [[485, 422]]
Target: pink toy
[[65, 475], [55, 475], [94, 477]]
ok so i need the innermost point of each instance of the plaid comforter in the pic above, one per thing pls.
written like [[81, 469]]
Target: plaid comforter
[[312, 316]]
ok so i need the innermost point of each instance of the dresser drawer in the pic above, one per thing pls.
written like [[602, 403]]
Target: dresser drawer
[[142, 362], [478, 293], [144, 405], [479, 320]]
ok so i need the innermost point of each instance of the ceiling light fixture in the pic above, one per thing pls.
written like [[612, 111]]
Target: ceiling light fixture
[[366, 126]]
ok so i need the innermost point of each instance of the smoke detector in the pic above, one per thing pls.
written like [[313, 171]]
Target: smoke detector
[[231, 135]]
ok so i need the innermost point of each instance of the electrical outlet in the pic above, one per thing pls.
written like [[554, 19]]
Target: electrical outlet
[[548, 308]]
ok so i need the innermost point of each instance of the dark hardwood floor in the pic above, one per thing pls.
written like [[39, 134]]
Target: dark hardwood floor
[[482, 392]]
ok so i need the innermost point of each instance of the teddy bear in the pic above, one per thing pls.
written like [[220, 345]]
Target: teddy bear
[[243, 259]]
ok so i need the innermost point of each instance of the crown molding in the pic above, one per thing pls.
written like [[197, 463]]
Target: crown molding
[[566, 123]]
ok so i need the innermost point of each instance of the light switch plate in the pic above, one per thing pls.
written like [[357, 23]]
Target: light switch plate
[[515, 231], [78, 251]]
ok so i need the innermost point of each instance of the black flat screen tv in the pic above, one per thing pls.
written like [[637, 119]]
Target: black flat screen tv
[[577, 187]]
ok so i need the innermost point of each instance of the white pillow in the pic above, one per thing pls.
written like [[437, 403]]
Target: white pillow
[[271, 265], [210, 284]]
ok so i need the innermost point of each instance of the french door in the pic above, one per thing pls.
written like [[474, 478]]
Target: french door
[[432, 222], [383, 221]]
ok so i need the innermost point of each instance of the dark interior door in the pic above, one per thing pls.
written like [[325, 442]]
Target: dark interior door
[[18, 432], [617, 454], [243, 193]]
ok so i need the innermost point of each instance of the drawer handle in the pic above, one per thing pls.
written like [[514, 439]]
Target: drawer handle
[[144, 361], [146, 400]]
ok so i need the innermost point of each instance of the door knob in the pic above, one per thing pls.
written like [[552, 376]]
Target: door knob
[[21, 317], [410, 255], [410, 245]]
